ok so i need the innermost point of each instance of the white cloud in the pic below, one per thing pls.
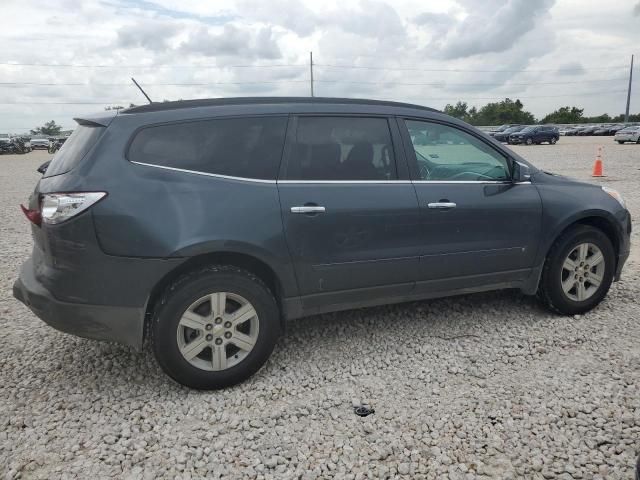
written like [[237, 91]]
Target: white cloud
[[431, 53]]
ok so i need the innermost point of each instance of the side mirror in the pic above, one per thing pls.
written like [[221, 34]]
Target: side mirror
[[43, 168], [521, 172]]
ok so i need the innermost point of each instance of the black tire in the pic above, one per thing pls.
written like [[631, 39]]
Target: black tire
[[621, 142], [528, 141], [553, 141], [550, 289], [187, 289]]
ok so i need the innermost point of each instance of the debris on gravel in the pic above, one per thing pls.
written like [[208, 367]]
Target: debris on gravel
[[480, 386]]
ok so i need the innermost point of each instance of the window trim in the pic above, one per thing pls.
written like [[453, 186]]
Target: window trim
[[412, 159], [395, 137], [137, 130]]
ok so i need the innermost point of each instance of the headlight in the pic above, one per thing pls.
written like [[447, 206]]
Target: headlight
[[615, 194]]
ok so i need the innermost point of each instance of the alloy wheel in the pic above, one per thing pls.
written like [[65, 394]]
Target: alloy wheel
[[218, 331], [582, 272]]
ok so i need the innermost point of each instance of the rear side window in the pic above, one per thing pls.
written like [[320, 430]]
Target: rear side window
[[74, 149], [236, 147], [342, 148]]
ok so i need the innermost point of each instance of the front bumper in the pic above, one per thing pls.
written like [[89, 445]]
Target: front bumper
[[100, 322]]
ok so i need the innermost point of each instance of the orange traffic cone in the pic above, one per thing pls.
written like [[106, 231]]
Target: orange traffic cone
[[597, 166]]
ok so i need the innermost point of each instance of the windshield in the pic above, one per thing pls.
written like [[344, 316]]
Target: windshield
[[512, 129], [74, 149], [528, 129]]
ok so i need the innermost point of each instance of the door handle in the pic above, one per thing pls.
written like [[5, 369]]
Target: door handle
[[308, 209], [442, 205]]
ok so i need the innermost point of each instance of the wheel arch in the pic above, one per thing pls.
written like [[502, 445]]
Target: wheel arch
[[251, 262], [598, 219]]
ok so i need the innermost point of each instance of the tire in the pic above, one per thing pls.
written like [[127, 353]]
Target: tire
[[168, 331], [551, 290], [620, 142], [553, 141], [529, 141]]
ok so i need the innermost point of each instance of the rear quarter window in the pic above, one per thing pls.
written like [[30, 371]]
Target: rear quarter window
[[74, 149], [248, 147]]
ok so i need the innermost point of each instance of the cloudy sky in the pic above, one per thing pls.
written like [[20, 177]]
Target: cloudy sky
[[548, 53]]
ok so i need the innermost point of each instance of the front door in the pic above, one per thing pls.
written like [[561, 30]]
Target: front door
[[477, 227], [350, 213]]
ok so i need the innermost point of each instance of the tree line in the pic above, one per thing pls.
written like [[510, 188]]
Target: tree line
[[510, 111], [495, 113]]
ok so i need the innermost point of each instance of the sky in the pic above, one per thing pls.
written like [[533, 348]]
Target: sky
[[64, 58]]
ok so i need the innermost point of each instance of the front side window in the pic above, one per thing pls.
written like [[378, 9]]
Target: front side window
[[446, 153], [342, 148], [248, 147]]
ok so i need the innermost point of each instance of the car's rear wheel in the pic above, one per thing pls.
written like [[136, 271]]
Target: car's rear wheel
[[215, 327], [578, 271], [553, 141], [621, 142]]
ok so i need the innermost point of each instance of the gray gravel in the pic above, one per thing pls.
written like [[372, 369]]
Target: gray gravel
[[487, 385]]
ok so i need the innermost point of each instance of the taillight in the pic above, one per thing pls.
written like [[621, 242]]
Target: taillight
[[58, 207], [33, 215]]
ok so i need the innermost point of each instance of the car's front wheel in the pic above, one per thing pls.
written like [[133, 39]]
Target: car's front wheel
[[529, 141], [578, 271], [553, 141], [215, 327], [621, 142]]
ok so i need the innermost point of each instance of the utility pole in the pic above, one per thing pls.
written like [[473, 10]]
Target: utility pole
[[626, 115], [311, 71]]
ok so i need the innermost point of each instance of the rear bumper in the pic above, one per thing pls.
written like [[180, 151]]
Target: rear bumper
[[100, 322]]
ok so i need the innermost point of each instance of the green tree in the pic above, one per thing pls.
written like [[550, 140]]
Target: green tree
[[50, 129], [505, 111], [564, 115], [459, 110]]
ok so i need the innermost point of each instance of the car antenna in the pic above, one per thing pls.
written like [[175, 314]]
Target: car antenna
[[143, 92]]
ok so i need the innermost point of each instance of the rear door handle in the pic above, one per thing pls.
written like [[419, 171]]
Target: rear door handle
[[442, 205], [308, 209]]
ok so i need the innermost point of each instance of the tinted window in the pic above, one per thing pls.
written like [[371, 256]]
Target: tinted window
[[237, 147], [74, 149], [342, 148], [447, 153]]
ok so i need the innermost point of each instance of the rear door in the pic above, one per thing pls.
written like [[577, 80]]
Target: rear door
[[477, 227], [349, 210]]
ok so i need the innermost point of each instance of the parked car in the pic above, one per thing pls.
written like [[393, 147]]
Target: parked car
[[572, 131], [504, 135], [566, 131], [535, 134], [615, 128], [628, 134], [588, 130], [204, 225], [602, 130], [502, 128], [39, 143]]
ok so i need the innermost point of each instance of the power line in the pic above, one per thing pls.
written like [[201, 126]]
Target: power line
[[434, 84], [382, 82], [85, 65], [458, 97], [421, 69], [195, 84], [298, 65]]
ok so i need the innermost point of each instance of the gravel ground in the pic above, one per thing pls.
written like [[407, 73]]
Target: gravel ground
[[486, 385]]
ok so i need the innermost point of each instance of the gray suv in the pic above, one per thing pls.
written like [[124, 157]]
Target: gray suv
[[203, 226]]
